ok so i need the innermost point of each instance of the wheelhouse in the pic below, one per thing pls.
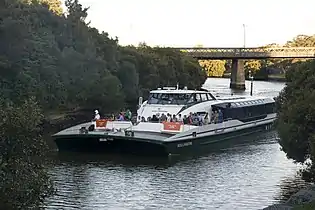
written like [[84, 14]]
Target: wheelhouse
[[246, 111], [179, 97]]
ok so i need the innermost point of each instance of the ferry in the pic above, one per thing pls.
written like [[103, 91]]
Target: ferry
[[173, 135]]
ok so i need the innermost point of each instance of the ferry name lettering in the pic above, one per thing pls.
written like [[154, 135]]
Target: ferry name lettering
[[172, 126], [184, 144]]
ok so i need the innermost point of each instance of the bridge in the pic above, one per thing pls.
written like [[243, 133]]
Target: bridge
[[249, 53], [238, 55]]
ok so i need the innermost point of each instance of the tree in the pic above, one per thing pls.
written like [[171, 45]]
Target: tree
[[54, 5], [296, 112], [213, 68], [24, 181], [68, 65]]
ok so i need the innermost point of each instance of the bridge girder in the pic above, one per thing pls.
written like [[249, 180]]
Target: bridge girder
[[249, 53]]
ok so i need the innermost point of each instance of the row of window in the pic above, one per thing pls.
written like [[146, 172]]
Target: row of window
[[249, 112], [253, 102], [178, 98]]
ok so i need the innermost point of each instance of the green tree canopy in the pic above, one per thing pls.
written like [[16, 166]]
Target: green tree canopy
[[296, 112]]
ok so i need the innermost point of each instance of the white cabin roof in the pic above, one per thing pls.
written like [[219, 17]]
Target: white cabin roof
[[178, 91]]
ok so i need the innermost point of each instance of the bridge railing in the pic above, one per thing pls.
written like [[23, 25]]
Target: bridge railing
[[262, 52]]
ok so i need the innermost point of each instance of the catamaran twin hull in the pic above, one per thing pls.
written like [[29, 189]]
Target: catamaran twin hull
[[193, 139]]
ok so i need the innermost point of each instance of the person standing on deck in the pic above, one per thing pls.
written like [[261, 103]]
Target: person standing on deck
[[169, 117], [220, 116], [128, 115], [180, 119], [97, 115]]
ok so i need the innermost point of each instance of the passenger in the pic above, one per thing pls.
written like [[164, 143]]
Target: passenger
[[215, 117], [142, 119], [206, 119], [195, 119], [163, 118], [97, 115], [154, 118], [200, 119], [134, 120], [128, 115], [112, 117], [169, 117], [212, 117], [120, 117], [185, 120], [190, 118], [180, 119], [174, 118], [220, 116], [158, 117]]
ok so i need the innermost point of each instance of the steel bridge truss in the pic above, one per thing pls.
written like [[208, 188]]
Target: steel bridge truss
[[250, 53]]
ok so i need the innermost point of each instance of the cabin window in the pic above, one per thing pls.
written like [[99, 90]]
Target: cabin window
[[204, 97], [210, 96], [169, 98], [194, 99], [198, 98], [249, 112]]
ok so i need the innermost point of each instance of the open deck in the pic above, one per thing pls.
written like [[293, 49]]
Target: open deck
[[100, 133]]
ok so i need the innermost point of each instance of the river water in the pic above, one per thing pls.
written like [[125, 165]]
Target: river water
[[250, 174]]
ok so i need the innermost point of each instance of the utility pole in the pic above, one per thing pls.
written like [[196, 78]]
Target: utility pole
[[251, 82]]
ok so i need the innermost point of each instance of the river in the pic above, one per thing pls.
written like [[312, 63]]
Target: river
[[250, 174]]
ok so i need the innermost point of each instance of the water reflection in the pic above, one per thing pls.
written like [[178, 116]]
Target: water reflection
[[290, 185], [220, 87], [242, 175]]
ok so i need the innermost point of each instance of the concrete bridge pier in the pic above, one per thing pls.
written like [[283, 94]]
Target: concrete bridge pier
[[237, 75]]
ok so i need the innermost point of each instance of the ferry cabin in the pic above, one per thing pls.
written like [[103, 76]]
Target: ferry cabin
[[184, 102]]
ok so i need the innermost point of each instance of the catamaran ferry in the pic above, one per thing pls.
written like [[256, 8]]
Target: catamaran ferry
[[173, 121]]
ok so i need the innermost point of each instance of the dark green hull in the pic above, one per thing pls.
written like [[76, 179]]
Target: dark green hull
[[151, 147]]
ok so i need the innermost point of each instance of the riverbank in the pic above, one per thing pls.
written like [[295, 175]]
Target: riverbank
[[54, 122], [304, 199]]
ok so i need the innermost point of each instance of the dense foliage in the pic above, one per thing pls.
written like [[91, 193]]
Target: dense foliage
[[296, 115], [296, 111], [24, 181], [49, 62], [66, 64]]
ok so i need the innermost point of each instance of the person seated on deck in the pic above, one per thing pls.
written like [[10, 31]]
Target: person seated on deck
[[120, 117], [163, 118], [142, 119], [154, 118], [97, 115], [134, 120]]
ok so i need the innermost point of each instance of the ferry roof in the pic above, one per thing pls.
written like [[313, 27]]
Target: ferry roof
[[178, 91], [244, 102]]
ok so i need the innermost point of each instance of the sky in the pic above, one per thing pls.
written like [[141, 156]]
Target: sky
[[211, 23]]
